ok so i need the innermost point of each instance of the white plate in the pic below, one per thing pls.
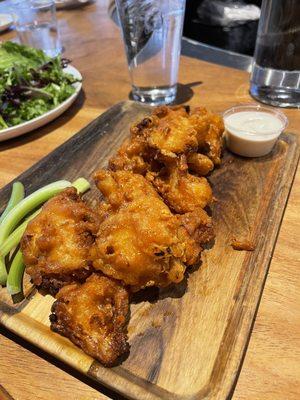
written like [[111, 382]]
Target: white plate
[[6, 21], [37, 122]]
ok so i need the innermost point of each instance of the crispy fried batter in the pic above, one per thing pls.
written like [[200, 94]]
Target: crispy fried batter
[[167, 130], [177, 130], [182, 191], [94, 315], [160, 142], [139, 241], [56, 242], [199, 164], [210, 128], [199, 225], [131, 157], [170, 132], [244, 244]]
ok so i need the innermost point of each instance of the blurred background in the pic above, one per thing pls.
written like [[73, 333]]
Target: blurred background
[[227, 24]]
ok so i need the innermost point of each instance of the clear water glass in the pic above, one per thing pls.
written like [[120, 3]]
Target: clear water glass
[[152, 31], [275, 77], [36, 25]]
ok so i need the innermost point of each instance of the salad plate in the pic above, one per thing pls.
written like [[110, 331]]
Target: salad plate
[[25, 127]]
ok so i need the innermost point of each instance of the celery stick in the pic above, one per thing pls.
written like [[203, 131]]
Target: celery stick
[[81, 184], [3, 272], [28, 204], [15, 275], [15, 237], [16, 196]]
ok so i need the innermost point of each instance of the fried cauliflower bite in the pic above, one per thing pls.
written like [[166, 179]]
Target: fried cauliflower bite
[[130, 157], [181, 191], [177, 130], [139, 241], [209, 128], [199, 225], [169, 133], [200, 164], [57, 241], [94, 315], [168, 130]]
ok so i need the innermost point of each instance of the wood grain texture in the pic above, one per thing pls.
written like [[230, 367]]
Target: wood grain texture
[[271, 369], [187, 341]]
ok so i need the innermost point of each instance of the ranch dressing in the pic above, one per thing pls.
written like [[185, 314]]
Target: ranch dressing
[[252, 131]]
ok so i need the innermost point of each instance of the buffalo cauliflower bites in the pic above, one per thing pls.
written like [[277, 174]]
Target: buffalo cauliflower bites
[[139, 240], [169, 133], [200, 164], [151, 224], [174, 148], [182, 191], [167, 130], [94, 315], [57, 242]]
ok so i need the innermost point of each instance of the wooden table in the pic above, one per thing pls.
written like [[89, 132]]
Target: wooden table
[[271, 368]]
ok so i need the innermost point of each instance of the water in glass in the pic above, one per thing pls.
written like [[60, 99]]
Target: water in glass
[[41, 36], [36, 25], [152, 33], [275, 75]]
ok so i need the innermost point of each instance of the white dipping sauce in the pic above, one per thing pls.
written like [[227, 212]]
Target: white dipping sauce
[[251, 132]]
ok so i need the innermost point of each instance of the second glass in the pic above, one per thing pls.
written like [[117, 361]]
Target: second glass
[[152, 31], [275, 78], [36, 25]]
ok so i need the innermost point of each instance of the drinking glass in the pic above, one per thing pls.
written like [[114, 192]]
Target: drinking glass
[[275, 77], [152, 31], [36, 25]]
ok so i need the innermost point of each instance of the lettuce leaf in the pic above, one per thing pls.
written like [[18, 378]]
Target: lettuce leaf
[[16, 54]]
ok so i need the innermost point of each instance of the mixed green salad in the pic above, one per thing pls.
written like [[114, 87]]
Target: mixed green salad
[[31, 83]]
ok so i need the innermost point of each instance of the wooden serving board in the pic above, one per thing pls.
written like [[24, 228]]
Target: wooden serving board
[[187, 341]]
